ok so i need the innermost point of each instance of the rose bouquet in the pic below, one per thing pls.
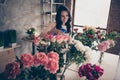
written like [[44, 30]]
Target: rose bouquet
[[91, 72], [40, 66], [69, 52]]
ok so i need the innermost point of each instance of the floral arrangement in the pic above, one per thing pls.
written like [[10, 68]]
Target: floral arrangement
[[88, 36], [29, 67], [60, 51], [96, 39], [91, 72], [92, 36], [69, 52]]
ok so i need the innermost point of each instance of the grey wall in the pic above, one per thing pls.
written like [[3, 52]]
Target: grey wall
[[17, 14]]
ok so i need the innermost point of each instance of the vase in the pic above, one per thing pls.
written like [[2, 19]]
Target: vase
[[1, 48], [14, 44]]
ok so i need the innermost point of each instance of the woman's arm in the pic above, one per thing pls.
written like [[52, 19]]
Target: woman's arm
[[48, 29]]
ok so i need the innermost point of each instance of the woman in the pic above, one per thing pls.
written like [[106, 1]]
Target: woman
[[62, 24]]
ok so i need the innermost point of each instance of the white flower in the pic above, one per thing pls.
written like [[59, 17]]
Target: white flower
[[87, 56], [76, 42], [87, 53], [37, 34], [87, 49], [80, 47]]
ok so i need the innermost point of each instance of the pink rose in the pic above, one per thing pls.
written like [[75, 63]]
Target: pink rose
[[40, 59], [50, 37], [52, 66], [36, 40], [112, 43], [65, 38], [11, 70], [27, 60], [47, 36], [104, 46], [59, 38], [53, 55]]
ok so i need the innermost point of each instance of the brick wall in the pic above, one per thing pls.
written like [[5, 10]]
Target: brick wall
[[114, 16], [17, 14], [114, 23]]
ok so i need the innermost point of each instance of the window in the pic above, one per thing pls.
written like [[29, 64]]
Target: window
[[92, 12]]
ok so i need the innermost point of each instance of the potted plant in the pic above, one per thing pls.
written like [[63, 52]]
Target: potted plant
[[1, 40], [12, 37]]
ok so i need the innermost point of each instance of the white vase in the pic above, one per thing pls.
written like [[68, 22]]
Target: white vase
[[1, 48], [14, 44]]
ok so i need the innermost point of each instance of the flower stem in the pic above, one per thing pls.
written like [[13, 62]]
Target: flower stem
[[100, 58], [66, 66]]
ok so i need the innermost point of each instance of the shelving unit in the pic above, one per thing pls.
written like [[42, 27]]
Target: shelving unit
[[50, 12]]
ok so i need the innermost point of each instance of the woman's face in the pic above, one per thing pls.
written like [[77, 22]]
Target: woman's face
[[64, 16]]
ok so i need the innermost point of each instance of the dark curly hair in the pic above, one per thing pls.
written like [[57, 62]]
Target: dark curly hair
[[58, 18]]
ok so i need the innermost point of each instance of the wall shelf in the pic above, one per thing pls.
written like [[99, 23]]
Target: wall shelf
[[51, 10]]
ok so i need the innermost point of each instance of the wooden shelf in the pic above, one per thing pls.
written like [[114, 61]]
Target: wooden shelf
[[6, 49], [52, 13], [53, 4], [58, 3]]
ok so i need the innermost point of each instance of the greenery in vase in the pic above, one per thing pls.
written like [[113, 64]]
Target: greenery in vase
[[12, 36], [31, 33], [6, 39]]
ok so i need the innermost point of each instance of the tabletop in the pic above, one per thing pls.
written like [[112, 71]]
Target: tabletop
[[109, 64]]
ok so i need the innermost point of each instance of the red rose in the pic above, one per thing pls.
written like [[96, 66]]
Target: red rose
[[11, 70]]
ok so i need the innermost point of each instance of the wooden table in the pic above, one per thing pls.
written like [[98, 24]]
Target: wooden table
[[109, 64]]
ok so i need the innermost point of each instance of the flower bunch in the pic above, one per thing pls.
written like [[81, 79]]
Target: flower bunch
[[32, 35], [38, 66], [96, 38], [74, 51], [12, 69], [55, 43], [78, 53], [88, 36], [93, 37], [91, 72], [103, 46]]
